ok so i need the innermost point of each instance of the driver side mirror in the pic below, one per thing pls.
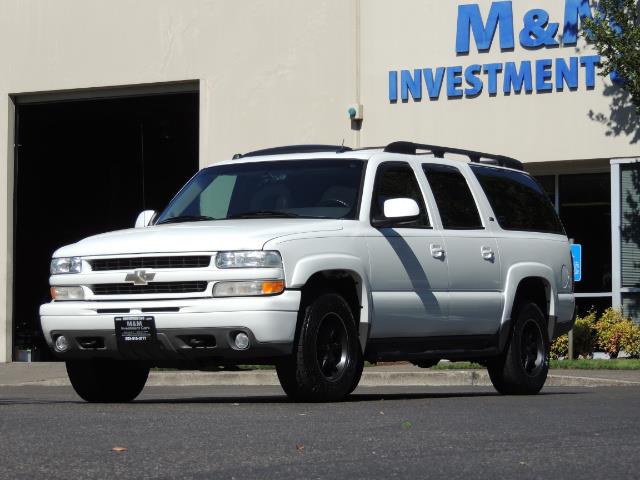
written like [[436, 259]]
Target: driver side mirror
[[145, 218], [397, 211]]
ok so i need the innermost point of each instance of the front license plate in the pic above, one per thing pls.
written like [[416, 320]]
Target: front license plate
[[132, 330]]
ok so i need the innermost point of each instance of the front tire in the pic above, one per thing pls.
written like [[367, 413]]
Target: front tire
[[107, 381], [425, 363], [327, 360], [523, 368]]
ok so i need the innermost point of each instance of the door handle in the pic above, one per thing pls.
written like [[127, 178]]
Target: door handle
[[436, 251], [487, 253]]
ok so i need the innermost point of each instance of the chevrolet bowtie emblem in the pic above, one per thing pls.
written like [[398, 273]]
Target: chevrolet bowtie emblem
[[139, 277]]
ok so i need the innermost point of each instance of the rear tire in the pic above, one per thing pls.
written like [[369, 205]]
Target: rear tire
[[327, 360], [522, 369], [107, 381]]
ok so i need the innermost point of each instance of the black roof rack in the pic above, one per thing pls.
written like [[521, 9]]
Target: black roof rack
[[410, 148], [294, 149]]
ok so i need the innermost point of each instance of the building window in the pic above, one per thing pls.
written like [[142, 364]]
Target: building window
[[585, 209], [630, 239]]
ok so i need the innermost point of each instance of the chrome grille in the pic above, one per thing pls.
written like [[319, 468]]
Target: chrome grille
[[153, 287], [190, 261]]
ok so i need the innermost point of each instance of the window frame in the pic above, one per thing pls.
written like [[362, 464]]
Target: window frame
[[356, 210], [444, 166], [422, 204], [479, 167]]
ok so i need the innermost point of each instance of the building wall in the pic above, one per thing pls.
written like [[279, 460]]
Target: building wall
[[270, 72], [537, 127], [285, 72]]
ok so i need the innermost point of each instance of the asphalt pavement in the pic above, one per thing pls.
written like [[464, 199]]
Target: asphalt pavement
[[226, 432]]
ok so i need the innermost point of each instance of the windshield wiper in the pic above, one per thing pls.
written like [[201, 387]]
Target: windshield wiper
[[264, 214], [185, 218]]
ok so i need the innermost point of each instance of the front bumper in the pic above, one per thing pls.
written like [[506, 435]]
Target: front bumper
[[270, 323]]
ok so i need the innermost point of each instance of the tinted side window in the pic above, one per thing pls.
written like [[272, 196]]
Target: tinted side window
[[454, 199], [397, 180], [517, 200]]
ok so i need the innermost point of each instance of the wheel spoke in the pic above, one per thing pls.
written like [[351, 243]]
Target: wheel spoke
[[531, 363], [331, 346], [531, 347]]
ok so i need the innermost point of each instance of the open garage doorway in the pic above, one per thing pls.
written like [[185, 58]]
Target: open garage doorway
[[88, 166]]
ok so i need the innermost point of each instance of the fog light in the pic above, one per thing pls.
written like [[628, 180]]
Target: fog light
[[242, 341], [248, 289], [62, 345]]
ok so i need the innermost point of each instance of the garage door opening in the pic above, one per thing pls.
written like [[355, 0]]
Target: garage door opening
[[84, 167]]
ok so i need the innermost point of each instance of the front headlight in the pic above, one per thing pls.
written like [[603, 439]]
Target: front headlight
[[67, 293], [66, 265], [249, 259]]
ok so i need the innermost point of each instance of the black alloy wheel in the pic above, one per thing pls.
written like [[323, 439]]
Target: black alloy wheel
[[326, 363], [332, 347], [532, 354], [522, 368]]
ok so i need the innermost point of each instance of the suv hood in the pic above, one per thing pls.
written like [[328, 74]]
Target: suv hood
[[208, 236]]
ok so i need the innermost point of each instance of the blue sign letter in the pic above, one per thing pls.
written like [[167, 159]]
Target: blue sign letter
[[471, 76], [590, 62], [492, 70], [393, 86], [566, 74], [574, 11], [454, 81], [543, 75], [537, 31], [411, 84], [433, 83], [469, 18], [517, 79]]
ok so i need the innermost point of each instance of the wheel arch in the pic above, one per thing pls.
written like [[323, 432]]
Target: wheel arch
[[533, 281], [341, 273]]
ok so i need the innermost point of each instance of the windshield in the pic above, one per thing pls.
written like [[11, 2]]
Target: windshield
[[295, 188]]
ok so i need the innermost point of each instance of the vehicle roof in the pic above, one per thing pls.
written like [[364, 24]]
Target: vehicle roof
[[362, 154], [399, 149]]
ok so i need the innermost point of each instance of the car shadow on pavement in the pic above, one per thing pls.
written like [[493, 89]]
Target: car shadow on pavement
[[276, 397], [354, 398]]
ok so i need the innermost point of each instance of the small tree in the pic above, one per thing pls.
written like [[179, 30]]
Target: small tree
[[615, 33]]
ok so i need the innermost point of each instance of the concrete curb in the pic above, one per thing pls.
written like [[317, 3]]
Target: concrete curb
[[434, 378]]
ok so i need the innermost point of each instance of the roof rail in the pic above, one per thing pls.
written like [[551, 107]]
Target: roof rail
[[293, 149], [410, 148]]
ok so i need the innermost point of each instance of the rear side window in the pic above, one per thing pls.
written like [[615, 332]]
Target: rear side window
[[455, 202], [397, 180], [518, 200]]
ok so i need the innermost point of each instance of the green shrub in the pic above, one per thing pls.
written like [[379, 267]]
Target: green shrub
[[612, 328], [583, 339], [560, 347], [630, 341]]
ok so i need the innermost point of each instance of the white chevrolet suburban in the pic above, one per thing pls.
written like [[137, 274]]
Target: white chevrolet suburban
[[317, 258]]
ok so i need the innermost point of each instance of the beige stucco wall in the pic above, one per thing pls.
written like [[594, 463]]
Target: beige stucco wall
[[279, 72], [270, 72], [538, 127]]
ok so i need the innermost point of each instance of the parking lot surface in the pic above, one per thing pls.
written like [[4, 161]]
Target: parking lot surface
[[383, 432]]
